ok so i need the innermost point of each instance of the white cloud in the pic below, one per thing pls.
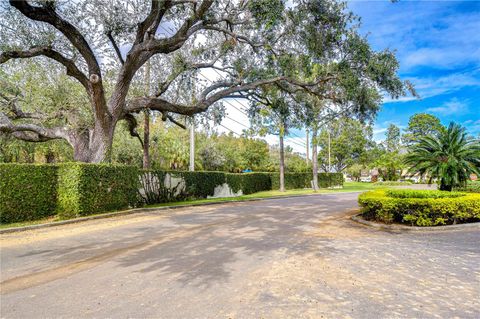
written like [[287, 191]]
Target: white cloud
[[453, 106], [430, 87]]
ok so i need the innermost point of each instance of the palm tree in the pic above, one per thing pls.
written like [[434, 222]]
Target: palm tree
[[449, 156]]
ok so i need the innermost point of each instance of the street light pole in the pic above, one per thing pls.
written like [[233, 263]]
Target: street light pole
[[308, 146], [329, 160]]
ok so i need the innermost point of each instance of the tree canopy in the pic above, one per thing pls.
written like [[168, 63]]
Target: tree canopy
[[421, 124], [449, 156], [309, 46]]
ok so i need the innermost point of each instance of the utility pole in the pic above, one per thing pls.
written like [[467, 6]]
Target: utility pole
[[282, 159], [192, 144], [329, 161], [146, 129], [308, 148]]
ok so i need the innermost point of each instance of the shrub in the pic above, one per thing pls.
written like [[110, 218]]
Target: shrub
[[202, 184], [249, 183], [303, 180], [392, 183], [27, 192], [157, 188], [326, 180], [421, 208], [412, 193], [85, 189], [471, 187]]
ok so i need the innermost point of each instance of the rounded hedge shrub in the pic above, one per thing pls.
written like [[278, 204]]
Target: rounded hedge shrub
[[420, 207], [392, 183]]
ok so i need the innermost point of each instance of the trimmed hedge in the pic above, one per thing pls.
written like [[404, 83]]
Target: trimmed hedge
[[202, 184], [420, 207], [27, 192], [303, 180], [157, 188], [249, 183], [85, 189]]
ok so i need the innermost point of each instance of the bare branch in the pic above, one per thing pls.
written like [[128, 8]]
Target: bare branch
[[47, 14], [171, 119], [163, 87], [235, 36], [115, 46], [189, 27]]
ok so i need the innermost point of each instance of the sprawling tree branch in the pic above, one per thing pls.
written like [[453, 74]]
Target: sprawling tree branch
[[31, 132], [47, 51], [132, 127], [208, 98], [148, 27], [47, 14]]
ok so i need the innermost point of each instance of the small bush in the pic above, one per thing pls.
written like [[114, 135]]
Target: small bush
[[420, 208], [392, 183], [85, 189], [27, 192]]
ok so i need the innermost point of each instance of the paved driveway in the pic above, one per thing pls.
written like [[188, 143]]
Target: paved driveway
[[297, 257]]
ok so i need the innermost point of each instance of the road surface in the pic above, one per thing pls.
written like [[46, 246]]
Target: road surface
[[294, 257]]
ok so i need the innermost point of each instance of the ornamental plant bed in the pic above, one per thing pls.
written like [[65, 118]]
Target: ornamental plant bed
[[420, 207]]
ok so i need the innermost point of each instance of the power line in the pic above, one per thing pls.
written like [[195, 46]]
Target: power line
[[225, 100], [228, 117], [294, 142], [216, 71], [240, 110], [229, 129]]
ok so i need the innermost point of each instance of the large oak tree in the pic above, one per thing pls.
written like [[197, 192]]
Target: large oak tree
[[103, 46]]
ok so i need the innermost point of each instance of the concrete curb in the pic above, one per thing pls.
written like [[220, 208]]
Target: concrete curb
[[395, 227], [150, 209]]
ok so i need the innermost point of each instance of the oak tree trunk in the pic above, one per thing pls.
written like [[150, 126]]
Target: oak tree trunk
[[94, 146]]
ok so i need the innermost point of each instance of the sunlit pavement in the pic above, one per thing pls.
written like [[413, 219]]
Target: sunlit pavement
[[297, 257]]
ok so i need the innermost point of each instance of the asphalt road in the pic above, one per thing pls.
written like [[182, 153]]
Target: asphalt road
[[297, 257]]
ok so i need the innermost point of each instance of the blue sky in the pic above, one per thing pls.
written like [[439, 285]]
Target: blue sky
[[438, 46]]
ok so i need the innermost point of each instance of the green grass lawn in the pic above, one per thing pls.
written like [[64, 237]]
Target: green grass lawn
[[347, 187], [30, 222]]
